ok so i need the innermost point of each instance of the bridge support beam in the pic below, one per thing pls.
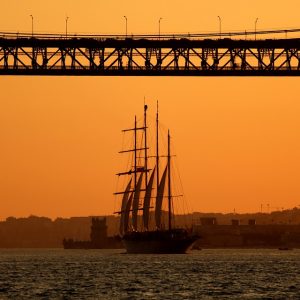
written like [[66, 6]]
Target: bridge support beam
[[142, 57]]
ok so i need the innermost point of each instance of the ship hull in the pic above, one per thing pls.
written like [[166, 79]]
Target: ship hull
[[158, 242]]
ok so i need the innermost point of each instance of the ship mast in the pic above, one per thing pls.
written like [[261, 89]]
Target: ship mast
[[169, 183], [146, 157], [135, 154], [157, 153]]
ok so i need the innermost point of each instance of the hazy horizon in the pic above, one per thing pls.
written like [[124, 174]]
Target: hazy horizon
[[265, 210]]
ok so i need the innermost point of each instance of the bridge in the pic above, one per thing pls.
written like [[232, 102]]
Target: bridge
[[223, 54]]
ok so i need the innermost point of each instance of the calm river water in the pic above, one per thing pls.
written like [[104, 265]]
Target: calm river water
[[111, 274]]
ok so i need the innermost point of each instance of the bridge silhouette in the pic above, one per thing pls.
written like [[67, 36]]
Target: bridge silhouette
[[215, 54]]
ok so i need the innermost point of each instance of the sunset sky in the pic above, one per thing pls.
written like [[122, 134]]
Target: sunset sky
[[237, 139]]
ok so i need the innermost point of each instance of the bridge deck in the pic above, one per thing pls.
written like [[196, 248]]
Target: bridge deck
[[141, 56]]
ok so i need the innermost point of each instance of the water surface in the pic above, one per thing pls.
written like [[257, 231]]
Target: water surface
[[111, 274]]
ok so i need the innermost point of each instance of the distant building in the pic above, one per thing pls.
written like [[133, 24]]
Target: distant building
[[98, 238], [235, 222], [252, 222], [208, 221]]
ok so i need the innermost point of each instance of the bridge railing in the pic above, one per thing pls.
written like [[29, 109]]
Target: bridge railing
[[142, 68], [193, 36]]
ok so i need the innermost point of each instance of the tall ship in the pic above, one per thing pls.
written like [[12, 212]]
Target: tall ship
[[145, 227]]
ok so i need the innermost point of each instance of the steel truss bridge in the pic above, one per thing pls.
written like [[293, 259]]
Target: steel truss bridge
[[167, 55]]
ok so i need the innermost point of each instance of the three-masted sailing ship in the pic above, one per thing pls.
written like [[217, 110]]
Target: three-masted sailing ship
[[140, 189]]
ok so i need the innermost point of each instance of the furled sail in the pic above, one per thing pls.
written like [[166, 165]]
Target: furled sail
[[136, 200], [147, 200], [123, 207], [159, 198], [126, 214]]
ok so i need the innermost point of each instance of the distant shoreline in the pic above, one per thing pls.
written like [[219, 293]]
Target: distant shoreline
[[42, 232]]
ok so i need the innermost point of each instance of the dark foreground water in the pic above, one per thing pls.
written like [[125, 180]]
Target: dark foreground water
[[110, 274]]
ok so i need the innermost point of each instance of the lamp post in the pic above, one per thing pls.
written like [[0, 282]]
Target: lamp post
[[125, 25], [220, 26], [67, 18], [31, 24], [159, 27], [255, 28]]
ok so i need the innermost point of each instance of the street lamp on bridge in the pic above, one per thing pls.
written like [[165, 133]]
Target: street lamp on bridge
[[31, 24], [255, 28], [220, 26], [125, 25], [159, 27], [67, 18]]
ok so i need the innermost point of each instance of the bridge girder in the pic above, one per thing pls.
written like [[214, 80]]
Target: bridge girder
[[142, 57]]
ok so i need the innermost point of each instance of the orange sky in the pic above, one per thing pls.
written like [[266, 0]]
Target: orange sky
[[237, 139]]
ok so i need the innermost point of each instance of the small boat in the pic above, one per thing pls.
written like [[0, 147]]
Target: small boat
[[285, 248], [144, 184]]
